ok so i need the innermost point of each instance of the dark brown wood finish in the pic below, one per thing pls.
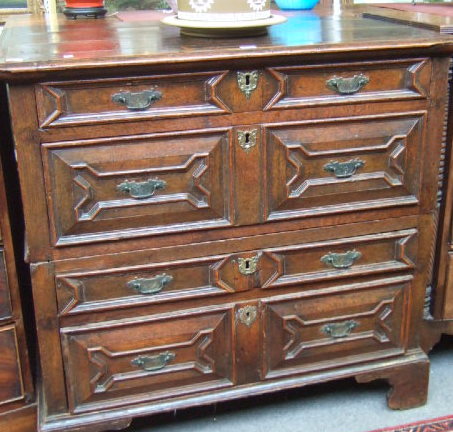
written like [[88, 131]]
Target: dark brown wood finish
[[191, 242]]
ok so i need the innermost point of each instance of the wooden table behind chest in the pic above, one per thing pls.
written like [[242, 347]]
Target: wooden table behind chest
[[210, 223]]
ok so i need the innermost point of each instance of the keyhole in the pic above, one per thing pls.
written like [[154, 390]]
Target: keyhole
[[247, 79], [247, 314], [247, 140], [247, 265]]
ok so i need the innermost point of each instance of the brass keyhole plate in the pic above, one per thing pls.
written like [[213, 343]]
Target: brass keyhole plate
[[247, 82], [248, 266], [247, 315], [247, 139]]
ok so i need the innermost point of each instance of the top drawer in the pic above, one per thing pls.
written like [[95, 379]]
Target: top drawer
[[85, 102], [300, 86], [70, 103]]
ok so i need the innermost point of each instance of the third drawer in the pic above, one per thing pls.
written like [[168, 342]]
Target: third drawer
[[282, 267]]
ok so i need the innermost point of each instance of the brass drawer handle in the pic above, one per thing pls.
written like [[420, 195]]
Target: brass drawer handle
[[153, 285], [247, 82], [248, 266], [137, 101], [341, 260], [153, 363], [339, 330], [344, 169], [141, 190], [247, 315], [347, 86], [247, 139]]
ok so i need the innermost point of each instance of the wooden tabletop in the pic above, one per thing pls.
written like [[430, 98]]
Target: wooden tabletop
[[31, 45], [430, 17]]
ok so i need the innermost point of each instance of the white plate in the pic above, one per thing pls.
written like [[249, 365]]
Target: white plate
[[223, 28]]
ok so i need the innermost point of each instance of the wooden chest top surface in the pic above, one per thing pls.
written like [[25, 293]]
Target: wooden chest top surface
[[33, 45]]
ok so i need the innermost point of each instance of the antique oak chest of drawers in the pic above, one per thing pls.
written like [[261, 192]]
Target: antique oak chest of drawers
[[208, 221]]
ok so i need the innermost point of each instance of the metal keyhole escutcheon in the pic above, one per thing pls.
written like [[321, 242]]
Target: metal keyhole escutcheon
[[248, 266], [247, 82], [247, 315], [247, 139]]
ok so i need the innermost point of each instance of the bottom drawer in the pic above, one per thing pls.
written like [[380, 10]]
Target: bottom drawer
[[11, 387], [312, 333], [176, 354], [155, 357]]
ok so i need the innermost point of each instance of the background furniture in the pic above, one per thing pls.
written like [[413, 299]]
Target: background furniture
[[17, 408], [439, 304], [210, 223]]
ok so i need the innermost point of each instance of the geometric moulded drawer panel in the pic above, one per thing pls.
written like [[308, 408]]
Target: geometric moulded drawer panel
[[70, 103], [123, 287], [305, 334], [332, 260], [343, 165], [149, 358], [108, 189], [299, 86]]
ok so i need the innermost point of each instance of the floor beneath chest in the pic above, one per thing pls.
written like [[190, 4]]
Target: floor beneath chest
[[335, 407]]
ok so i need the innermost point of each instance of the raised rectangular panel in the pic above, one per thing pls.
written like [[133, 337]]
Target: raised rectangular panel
[[338, 259], [150, 358], [299, 86], [312, 333], [133, 285], [344, 165], [70, 103], [134, 186]]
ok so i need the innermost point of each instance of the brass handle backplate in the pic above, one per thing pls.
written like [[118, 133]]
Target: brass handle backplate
[[138, 101], [344, 169], [247, 315], [341, 260], [347, 86], [154, 363], [247, 139], [141, 190], [152, 285], [340, 329], [248, 266], [247, 82]]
